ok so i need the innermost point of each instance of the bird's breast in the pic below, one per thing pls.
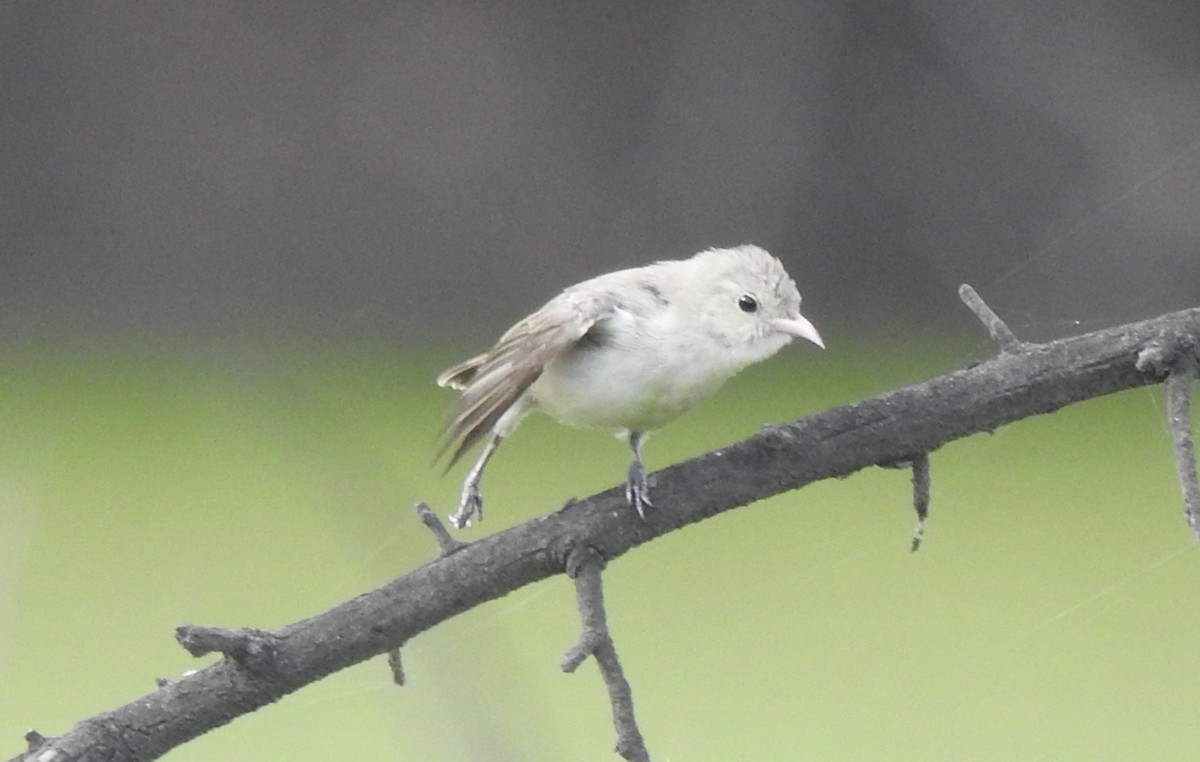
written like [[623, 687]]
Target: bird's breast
[[638, 385]]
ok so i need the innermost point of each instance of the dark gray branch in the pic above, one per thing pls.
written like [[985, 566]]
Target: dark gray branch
[[35, 740], [253, 649], [1179, 418], [396, 666], [1176, 357], [1040, 378], [446, 542], [920, 482], [584, 565], [996, 328], [919, 465]]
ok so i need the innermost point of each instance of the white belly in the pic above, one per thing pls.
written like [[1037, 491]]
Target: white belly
[[622, 388]]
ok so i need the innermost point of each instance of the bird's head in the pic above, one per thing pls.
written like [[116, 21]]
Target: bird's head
[[747, 301]]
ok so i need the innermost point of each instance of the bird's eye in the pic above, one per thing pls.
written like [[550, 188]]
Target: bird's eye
[[747, 303]]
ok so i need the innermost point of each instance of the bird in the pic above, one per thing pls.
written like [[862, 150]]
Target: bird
[[629, 350]]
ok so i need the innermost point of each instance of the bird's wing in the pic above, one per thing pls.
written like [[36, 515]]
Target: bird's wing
[[492, 382], [457, 377]]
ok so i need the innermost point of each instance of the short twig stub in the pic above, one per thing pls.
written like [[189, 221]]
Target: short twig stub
[[35, 740], [253, 649], [396, 666], [920, 482], [919, 465], [996, 328], [446, 542], [1180, 382]]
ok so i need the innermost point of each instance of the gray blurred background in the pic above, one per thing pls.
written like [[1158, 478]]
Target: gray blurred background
[[416, 169]]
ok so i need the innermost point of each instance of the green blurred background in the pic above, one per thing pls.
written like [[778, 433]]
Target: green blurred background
[[1051, 614]]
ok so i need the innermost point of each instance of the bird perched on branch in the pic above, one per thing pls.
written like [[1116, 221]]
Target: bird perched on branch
[[630, 350]]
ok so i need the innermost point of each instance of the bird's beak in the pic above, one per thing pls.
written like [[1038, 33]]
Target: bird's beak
[[798, 326]]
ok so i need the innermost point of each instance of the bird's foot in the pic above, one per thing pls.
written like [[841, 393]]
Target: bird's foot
[[470, 506], [637, 489]]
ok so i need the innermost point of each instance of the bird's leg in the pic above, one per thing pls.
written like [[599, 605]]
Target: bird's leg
[[637, 490], [470, 503]]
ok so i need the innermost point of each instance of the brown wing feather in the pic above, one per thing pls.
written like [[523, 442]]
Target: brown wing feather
[[492, 382], [458, 376]]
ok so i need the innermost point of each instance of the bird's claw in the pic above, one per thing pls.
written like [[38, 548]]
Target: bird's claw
[[470, 506], [637, 489]]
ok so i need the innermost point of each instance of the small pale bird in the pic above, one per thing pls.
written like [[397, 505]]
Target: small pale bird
[[630, 350]]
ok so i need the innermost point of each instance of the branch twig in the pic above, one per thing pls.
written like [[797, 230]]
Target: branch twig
[[1180, 382], [447, 544], [920, 482], [1176, 358], [253, 649], [919, 466], [584, 565], [35, 740], [996, 328], [396, 666]]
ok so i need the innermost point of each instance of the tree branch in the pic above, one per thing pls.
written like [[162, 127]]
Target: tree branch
[[446, 542], [920, 482], [1179, 417], [584, 565], [996, 328], [1023, 381], [253, 649], [919, 465]]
